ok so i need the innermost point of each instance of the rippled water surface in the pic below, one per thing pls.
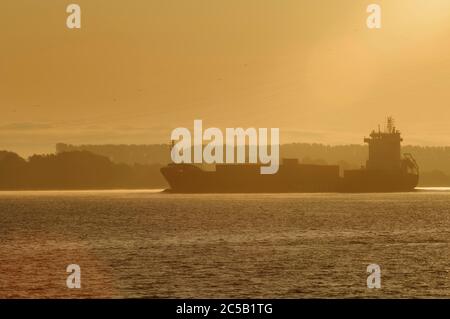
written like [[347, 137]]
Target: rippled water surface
[[149, 244]]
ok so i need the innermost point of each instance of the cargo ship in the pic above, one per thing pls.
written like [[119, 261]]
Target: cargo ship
[[386, 170]]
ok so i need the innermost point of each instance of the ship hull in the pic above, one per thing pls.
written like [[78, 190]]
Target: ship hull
[[365, 181], [185, 178]]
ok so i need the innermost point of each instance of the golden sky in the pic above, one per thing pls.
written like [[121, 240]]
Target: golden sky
[[139, 68]]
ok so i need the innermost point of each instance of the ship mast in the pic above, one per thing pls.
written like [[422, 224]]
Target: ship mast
[[390, 125]]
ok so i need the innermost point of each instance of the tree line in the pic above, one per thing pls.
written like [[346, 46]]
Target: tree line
[[74, 170], [138, 166]]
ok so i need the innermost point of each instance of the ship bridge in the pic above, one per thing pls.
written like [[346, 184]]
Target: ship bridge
[[384, 148]]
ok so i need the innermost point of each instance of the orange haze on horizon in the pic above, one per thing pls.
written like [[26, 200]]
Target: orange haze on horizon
[[138, 69]]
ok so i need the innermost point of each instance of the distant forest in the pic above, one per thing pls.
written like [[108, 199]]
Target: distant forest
[[74, 170], [434, 162], [137, 166]]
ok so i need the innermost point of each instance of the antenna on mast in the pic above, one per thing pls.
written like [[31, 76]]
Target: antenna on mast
[[390, 125]]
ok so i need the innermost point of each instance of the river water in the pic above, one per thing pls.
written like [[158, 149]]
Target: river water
[[147, 244]]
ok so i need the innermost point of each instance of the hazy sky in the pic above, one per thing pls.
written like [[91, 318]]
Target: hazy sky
[[139, 68]]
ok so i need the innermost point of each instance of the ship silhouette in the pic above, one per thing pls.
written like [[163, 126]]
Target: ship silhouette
[[386, 170]]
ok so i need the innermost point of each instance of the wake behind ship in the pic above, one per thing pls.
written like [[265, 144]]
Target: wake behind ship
[[386, 170]]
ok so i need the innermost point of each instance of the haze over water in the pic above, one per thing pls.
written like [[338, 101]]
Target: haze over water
[[149, 244]]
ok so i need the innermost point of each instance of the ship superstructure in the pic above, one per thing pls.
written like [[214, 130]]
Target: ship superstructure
[[386, 169]]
